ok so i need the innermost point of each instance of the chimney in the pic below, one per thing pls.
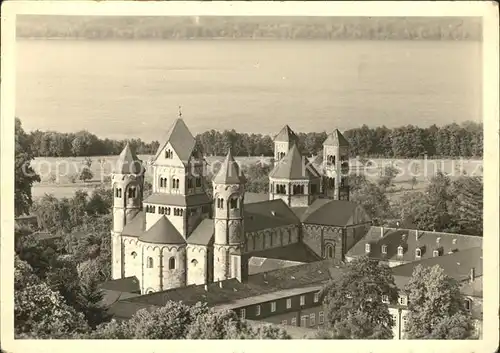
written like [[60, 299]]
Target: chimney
[[381, 232], [472, 274]]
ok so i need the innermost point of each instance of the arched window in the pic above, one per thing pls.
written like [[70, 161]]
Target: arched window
[[169, 154], [234, 203], [176, 211], [331, 182], [131, 192], [384, 249], [168, 211], [418, 253], [154, 209], [149, 263], [118, 192], [330, 252], [400, 250], [150, 291], [134, 254], [190, 183], [220, 203], [171, 263], [301, 189], [180, 211], [198, 182], [194, 262]]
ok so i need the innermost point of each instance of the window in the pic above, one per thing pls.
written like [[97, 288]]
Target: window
[[302, 300], [198, 182], [303, 321], [316, 297], [402, 300], [367, 248], [312, 319], [118, 192], [405, 320], [435, 253], [467, 304], [418, 253], [331, 183], [169, 154], [175, 183], [385, 299], [384, 249], [134, 254], [131, 192], [220, 203], [161, 210], [321, 318], [293, 322], [243, 313], [284, 322], [150, 262], [234, 203], [167, 211], [190, 183], [288, 303], [171, 263], [195, 262], [329, 251], [257, 310], [150, 291], [343, 182], [400, 250], [273, 307], [163, 182]]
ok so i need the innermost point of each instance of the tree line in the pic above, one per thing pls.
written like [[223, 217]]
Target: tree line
[[241, 27], [452, 140]]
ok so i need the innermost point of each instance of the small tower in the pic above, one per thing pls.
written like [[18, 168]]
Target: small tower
[[229, 192], [336, 166], [127, 183], [283, 142]]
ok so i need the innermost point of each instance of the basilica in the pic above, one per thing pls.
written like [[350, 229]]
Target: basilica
[[188, 233]]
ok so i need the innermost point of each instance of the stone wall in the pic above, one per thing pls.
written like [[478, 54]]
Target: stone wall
[[197, 264]]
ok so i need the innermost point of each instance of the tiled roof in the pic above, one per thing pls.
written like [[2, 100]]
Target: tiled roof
[[473, 289], [128, 163], [110, 297], [203, 234], [181, 140], [253, 197], [268, 214], [262, 264], [299, 276], [286, 135], [292, 252], [178, 200], [335, 138], [294, 167], [229, 172], [457, 265], [162, 232], [127, 284], [427, 242], [136, 227], [333, 213]]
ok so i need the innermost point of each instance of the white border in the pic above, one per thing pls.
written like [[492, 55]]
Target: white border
[[487, 10]]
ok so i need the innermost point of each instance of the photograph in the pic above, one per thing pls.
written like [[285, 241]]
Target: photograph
[[247, 176]]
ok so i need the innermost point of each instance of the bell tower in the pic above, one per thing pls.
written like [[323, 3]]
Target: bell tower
[[127, 183], [336, 166], [283, 142], [229, 193]]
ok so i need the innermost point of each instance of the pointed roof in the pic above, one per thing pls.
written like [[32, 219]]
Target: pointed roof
[[229, 172], [286, 135], [294, 166], [180, 138], [335, 138], [162, 232], [127, 162]]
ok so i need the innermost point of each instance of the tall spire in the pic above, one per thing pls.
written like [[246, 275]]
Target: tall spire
[[127, 162], [335, 138], [229, 172]]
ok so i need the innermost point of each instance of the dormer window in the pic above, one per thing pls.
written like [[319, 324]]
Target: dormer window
[[418, 253], [384, 249], [435, 253], [400, 250], [367, 248]]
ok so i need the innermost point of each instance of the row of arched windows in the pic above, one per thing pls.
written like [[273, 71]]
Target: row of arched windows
[[150, 209], [280, 189], [280, 155], [175, 183], [164, 210], [233, 203], [150, 262], [298, 189], [132, 192], [330, 160], [118, 192]]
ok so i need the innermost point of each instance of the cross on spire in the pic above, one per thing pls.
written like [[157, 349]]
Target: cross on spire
[[180, 111]]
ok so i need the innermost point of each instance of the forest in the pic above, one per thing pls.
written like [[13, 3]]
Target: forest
[[284, 28], [449, 141]]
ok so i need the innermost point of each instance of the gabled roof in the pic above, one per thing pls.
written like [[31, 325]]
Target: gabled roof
[[262, 264], [181, 139], [286, 135], [294, 167], [162, 232], [128, 163], [203, 234], [160, 198], [127, 284], [335, 138], [135, 227], [229, 172], [333, 213], [268, 214], [298, 252], [253, 197], [427, 242]]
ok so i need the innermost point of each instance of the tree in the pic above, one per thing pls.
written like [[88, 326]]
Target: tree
[[353, 303], [373, 199], [86, 174], [24, 174], [435, 306], [466, 205], [40, 312], [387, 175]]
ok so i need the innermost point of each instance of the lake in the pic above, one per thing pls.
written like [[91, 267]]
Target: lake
[[122, 89]]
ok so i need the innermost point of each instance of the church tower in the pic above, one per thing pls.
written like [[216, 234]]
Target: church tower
[[229, 193], [336, 166], [127, 183], [283, 142]]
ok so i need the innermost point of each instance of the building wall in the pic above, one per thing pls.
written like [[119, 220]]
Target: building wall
[[179, 222], [312, 236], [197, 264], [271, 238], [355, 234], [132, 257]]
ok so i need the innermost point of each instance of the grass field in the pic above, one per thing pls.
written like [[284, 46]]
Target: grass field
[[56, 173]]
